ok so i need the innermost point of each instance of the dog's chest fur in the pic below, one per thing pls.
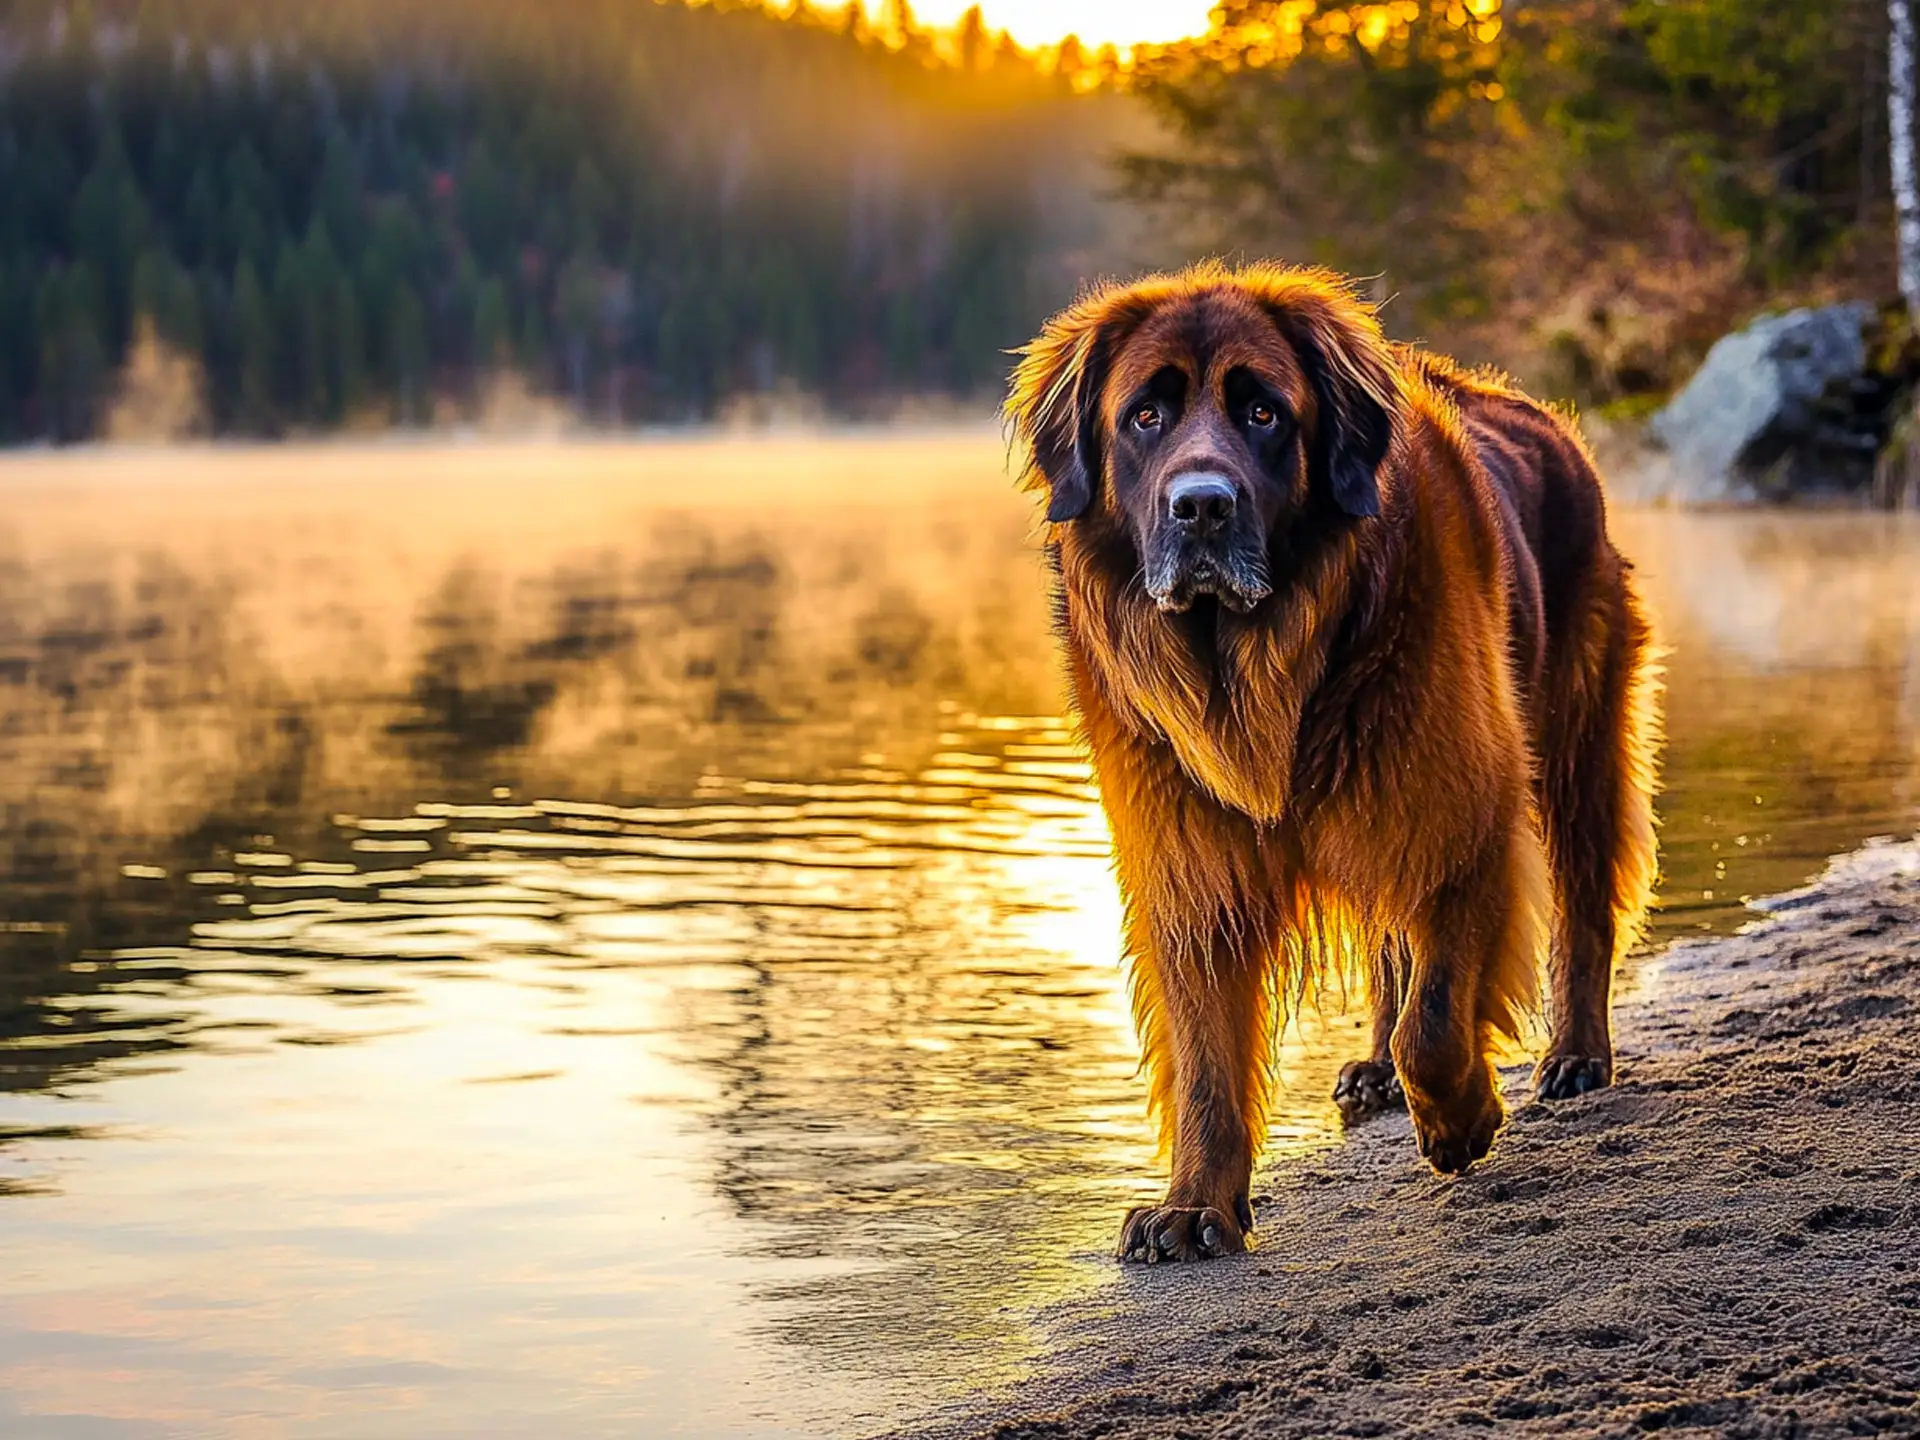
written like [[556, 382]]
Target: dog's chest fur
[[1227, 698]]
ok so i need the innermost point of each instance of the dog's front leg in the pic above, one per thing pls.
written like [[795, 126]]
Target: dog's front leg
[[1205, 1026], [1199, 884]]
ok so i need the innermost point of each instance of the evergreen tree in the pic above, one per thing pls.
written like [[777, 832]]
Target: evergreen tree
[[164, 293], [487, 211], [255, 359], [492, 325], [73, 367], [41, 203], [348, 374], [109, 230], [19, 336], [338, 204], [199, 233], [407, 357], [299, 338]]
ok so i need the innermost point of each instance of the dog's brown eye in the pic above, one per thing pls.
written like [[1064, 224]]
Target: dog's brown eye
[[1147, 417], [1261, 417]]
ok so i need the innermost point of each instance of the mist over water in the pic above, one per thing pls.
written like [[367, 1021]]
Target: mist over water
[[619, 936]]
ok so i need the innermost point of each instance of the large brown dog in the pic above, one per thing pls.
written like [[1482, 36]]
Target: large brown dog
[[1367, 688]]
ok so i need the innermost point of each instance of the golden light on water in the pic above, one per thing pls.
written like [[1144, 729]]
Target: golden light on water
[[777, 954]]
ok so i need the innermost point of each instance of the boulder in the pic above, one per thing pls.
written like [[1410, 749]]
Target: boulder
[[1766, 413]]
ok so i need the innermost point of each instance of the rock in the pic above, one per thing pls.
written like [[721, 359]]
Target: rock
[[1768, 409]]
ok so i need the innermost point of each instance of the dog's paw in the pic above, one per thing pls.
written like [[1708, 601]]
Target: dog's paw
[[1562, 1077], [1153, 1234], [1367, 1088], [1455, 1134]]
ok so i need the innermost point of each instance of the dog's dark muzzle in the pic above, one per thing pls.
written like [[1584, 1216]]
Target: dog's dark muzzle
[[1203, 544]]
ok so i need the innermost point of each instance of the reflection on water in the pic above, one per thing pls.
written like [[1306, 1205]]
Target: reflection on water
[[619, 937], [1793, 705]]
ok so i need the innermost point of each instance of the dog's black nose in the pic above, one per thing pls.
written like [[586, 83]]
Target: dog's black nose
[[1200, 504]]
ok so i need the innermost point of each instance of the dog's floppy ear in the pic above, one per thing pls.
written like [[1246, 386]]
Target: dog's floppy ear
[[1054, 404], [1356, 394]]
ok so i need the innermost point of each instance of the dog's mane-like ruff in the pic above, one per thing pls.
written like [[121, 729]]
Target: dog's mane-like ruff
[[1236, 726]]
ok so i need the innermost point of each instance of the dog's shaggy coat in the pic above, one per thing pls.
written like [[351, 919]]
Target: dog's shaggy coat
[[1389, 706]]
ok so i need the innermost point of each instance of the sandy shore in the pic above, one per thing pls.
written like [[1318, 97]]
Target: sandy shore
[[1727, 1242]]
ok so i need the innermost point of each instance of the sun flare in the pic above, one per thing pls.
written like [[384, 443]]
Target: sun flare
[[1123, 23]]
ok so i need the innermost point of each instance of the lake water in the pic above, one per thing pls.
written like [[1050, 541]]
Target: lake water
[[617, 939]]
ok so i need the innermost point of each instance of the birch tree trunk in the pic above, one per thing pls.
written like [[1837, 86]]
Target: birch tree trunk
[[1906, 188], [1897, 476]]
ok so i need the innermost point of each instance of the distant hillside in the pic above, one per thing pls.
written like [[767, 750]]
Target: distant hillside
[[360, 213]]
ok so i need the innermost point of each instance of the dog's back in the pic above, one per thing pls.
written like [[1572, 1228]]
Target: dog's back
[[1554, 512]]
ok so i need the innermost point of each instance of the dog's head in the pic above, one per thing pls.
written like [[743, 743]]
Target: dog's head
[[1198, 417]]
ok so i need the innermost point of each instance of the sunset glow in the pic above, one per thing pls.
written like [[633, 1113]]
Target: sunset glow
[[1097, 22]]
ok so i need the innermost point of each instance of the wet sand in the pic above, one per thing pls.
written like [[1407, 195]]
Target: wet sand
[[1725, 1243]]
